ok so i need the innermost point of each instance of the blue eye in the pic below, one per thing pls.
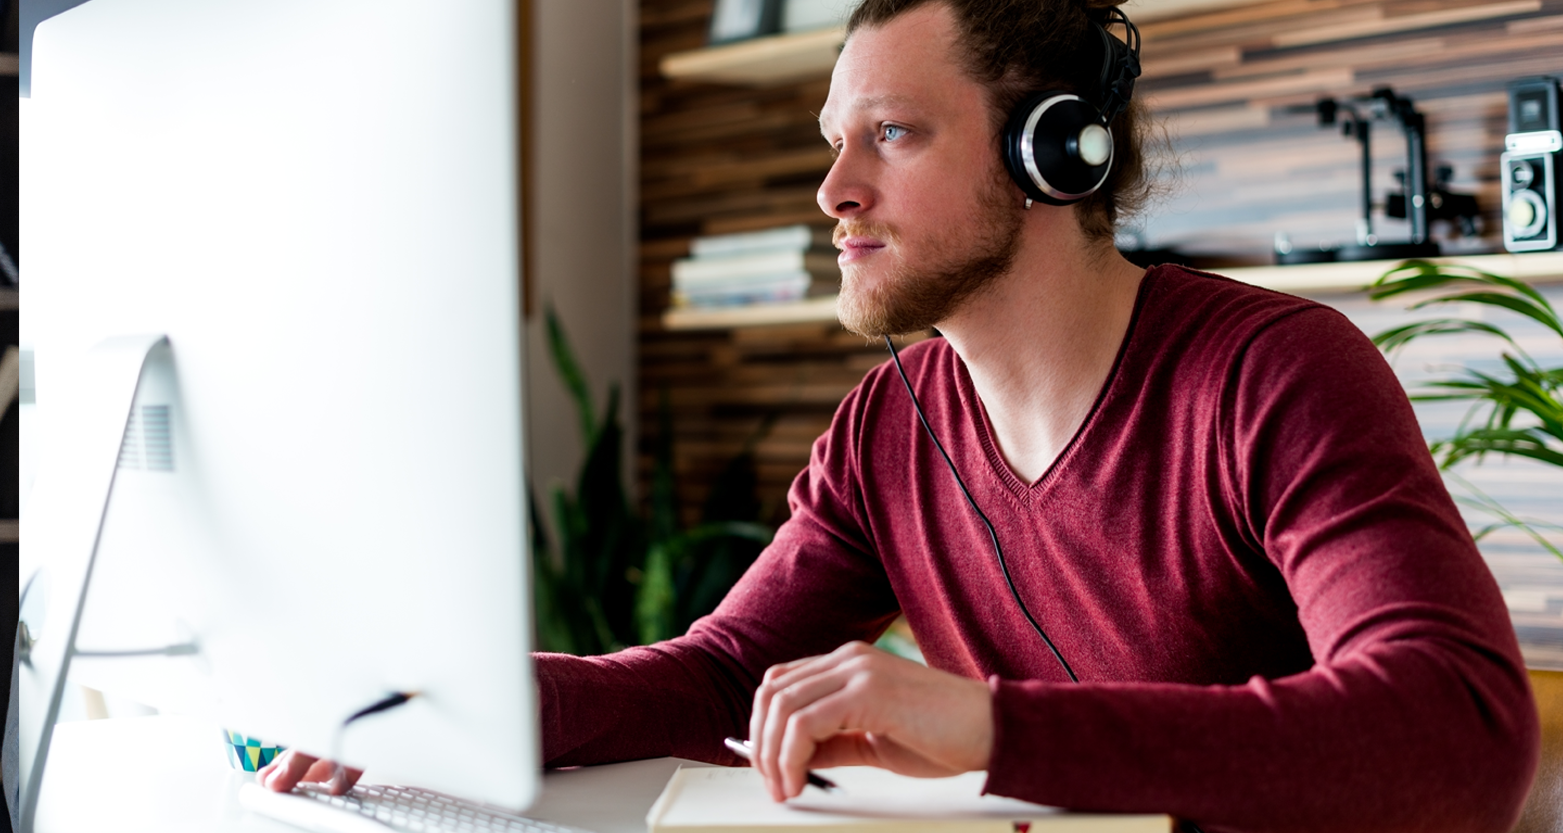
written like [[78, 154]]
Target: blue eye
[[892, 132]]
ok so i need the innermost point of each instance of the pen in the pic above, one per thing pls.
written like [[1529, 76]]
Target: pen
[[746, 751]]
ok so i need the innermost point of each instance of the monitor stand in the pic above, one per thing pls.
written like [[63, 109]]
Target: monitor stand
[[64, 524]]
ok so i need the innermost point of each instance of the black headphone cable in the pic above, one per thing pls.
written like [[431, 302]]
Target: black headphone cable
[[993, 535]]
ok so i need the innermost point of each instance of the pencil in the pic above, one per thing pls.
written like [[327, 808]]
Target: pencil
[[746, 751]]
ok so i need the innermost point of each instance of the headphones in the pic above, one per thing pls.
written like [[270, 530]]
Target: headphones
[[1057, 146]]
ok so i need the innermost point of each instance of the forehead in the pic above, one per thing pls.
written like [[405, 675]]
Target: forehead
[[906, 64]]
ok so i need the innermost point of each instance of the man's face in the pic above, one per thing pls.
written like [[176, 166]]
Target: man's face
[[927, 215]]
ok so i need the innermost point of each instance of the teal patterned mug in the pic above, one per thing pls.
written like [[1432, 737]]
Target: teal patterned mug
[[247, 753]]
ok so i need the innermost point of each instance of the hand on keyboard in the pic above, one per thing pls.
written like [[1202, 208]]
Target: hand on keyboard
[[292, 767]]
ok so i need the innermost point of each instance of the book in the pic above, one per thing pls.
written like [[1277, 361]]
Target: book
[[706, 271], [794, 238], [785, 286], [871, 800]]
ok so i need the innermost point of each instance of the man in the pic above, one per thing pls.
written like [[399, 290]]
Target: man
[[1214, 499]]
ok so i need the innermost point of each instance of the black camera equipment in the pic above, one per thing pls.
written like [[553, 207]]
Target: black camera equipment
[[1529, 166], [1418, 202]]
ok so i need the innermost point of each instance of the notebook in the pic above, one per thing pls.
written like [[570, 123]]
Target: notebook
[[870, 800]]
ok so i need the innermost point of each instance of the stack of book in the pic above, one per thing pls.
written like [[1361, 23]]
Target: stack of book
[[760, 267]]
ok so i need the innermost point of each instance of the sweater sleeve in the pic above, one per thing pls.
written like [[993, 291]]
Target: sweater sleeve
[[1416, 714], [818, 585]]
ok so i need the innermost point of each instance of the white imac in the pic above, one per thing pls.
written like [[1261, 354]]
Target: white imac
[[277, 239]]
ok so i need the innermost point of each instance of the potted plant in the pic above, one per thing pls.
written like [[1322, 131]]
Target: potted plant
[[1515, 411], [615, 578]]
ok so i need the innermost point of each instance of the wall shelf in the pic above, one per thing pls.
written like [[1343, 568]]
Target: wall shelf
[[1535, 267], [761, 62], [796, 56], [757, 315]]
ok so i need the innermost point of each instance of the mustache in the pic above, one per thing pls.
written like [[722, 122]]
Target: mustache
[[860, 228]]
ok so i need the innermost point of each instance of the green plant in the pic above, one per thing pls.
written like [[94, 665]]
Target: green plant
[[614, 578], [1516, 411]]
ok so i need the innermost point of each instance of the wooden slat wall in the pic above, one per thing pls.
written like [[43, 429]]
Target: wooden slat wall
[[718, 159], [713, 160]]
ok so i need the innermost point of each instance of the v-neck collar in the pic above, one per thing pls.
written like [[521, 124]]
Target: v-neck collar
[[1025, 492]]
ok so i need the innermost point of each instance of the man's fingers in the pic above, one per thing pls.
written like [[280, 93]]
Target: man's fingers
[[292, 767], [787, 706], [788, 674], [822, 719], [320, 771], [844, 749], [286, 771], [342, 779], [762, 705], [866, 749], [788, 687], [338, 779], [861, 705]]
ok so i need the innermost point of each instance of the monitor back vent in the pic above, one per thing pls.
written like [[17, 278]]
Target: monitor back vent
[[149, 440]]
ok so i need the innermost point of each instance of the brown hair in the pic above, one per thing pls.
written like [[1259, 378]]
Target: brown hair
[[1019, 47]]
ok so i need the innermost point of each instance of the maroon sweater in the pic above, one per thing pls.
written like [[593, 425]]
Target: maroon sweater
[[1278, 618]]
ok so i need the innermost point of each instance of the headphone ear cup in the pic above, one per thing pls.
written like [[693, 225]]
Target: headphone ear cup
[[1056, 148]]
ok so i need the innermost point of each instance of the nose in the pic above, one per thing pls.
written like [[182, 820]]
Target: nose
[[846, 191]]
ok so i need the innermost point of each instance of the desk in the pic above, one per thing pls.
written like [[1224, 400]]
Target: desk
[[169, 774]]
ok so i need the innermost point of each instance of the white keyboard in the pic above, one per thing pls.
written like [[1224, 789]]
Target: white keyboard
[[380, 808]]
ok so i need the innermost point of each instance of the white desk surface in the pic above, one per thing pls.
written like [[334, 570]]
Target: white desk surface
[[170, 775]]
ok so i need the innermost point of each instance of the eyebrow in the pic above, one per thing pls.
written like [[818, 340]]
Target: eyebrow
[[872, 102]]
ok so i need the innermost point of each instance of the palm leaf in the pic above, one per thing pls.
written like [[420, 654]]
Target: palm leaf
[[1542, 313], [1414, 275], [1482, 441], [1482, 502], [1397, 337]]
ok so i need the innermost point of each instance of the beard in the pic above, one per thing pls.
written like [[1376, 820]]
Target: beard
[[915, 297]]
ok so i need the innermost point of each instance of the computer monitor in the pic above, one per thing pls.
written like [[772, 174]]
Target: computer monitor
[[303, 217]]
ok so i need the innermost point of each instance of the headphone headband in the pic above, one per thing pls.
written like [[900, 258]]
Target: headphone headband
[[1120, 63]]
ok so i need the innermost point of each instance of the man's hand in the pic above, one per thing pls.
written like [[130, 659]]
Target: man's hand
[[291, 767], [860, 705]]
